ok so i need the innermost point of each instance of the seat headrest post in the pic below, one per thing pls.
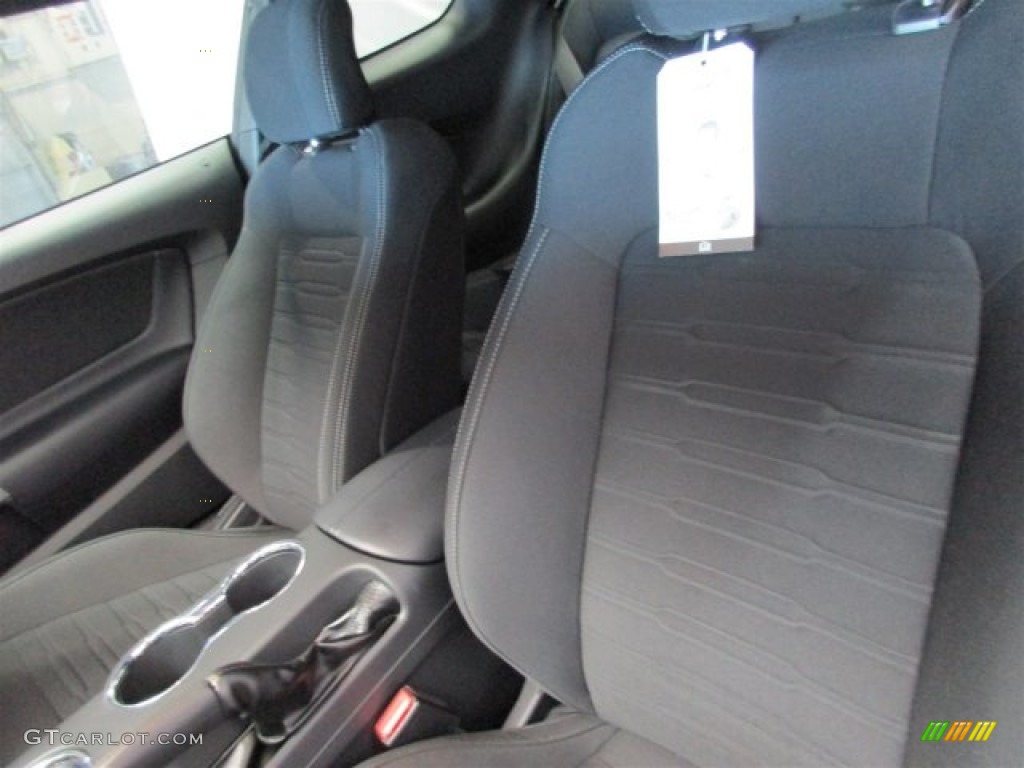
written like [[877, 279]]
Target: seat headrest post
[[302, 76]]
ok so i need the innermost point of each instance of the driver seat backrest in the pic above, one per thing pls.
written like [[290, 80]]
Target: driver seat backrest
[[765, 508]]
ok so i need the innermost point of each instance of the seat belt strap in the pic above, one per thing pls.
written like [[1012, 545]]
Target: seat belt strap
[[567, 68]]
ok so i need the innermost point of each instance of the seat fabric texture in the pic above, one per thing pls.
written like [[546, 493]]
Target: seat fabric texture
[[60, 637], [765, 509], [333, 334], [566, 739]]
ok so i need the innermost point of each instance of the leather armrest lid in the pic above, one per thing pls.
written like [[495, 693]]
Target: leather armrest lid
[[394, 509]]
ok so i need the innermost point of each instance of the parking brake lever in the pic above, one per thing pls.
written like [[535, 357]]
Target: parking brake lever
[[277, 698]]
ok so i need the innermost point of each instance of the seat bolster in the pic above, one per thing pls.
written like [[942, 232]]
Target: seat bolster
[[523, 464], [224, 387], [116, 565], [971, 669], [405, 354], [524, 459]]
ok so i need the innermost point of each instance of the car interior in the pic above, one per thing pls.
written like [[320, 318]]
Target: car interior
[[395, 429]]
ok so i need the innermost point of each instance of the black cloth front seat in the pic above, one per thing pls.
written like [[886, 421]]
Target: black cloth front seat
[[763, 509], [332, 335]]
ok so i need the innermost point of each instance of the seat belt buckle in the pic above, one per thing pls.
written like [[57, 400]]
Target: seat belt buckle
[[410, 716]]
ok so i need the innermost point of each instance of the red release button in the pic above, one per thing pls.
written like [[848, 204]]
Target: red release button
[[394, 717]]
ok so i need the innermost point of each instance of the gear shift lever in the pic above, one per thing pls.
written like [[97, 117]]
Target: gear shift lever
[[277, 698]]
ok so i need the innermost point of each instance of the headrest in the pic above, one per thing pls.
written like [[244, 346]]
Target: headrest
[[688, 18], [302, 75]]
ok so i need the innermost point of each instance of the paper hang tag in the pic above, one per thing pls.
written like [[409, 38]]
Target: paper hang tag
[[706, 152]]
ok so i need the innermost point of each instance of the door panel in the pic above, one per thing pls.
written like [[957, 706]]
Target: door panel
[[97, 317], [38, 319]]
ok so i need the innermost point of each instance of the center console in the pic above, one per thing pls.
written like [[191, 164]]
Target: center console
[[303, 643]]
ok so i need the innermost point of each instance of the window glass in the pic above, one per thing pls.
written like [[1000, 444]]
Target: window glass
[[94, 91], [379, 23]]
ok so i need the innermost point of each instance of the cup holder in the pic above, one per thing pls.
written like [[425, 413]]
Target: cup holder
[[160, 661]]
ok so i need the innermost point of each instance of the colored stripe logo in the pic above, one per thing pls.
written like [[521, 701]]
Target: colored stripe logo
[[959, 730]]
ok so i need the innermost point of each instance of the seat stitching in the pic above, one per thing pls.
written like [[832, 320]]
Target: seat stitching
[[329, 95], [393, 373], [467, 427], [591, 78], [362, 309], [354, 296], [973, 8], [465, 436], [643, 22], [463, 440]]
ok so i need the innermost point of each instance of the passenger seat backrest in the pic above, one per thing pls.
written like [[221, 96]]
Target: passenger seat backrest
[[334, 332], [707, 497]]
